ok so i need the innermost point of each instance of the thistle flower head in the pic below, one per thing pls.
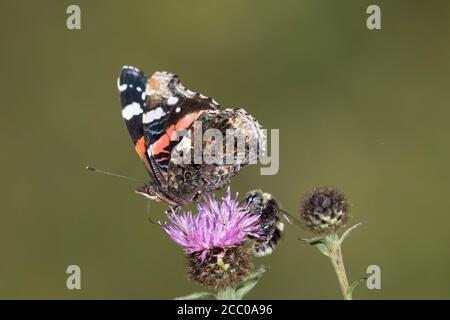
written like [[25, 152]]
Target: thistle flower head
[[213, 240], [325, 210], [216, 225]]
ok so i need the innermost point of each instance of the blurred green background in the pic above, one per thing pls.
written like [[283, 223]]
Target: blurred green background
[[366, 111]]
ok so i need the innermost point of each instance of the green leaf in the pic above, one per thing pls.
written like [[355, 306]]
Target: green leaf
[[354, 285], [228, 293], [320, 243], [312, 241], [322, 248], [348, 231], [197, 296], [250, 282]]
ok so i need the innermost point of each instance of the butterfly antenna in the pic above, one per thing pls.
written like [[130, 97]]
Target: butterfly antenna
[[112, 174]]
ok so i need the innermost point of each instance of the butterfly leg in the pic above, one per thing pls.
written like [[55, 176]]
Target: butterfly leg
[[149, 218], [204, 197]]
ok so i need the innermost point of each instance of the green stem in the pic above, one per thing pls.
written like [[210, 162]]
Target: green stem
[[338, 264], [228, 293]]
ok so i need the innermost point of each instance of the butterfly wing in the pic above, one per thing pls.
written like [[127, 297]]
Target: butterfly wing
[[131, 84], [186, 179], [171, 109], [159, 113]]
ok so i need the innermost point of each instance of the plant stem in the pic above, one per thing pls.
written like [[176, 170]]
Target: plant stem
[[228, 293], [338, 264]]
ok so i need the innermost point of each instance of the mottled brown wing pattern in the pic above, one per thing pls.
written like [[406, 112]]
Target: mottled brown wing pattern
[[188, 180]]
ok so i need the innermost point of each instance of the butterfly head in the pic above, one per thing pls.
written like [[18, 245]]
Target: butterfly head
[[148, 192], [152, 192]]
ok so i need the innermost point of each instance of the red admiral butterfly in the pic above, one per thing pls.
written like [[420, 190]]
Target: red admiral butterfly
[[159, 113]]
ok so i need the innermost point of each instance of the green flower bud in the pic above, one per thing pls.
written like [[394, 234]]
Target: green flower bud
[[325, 210]]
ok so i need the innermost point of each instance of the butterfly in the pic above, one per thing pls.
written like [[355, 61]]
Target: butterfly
[[165, 121]]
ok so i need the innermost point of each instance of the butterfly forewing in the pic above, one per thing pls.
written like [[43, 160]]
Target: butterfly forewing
[[171, 111]]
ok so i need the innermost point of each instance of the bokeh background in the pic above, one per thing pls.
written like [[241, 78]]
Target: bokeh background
[[366, 111]]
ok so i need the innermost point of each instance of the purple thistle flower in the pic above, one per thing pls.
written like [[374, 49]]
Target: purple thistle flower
[[214, 226]]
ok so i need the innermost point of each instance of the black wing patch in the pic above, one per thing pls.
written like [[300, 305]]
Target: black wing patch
[[131, 85]]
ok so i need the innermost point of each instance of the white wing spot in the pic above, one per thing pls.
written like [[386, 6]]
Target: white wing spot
[[172, 101], [121, 87], [153, 115], [178, 109], [131, 110], [139, 89]]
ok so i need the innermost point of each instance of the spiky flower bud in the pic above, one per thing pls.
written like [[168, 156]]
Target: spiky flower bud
[[325, 210], [221, 268]]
